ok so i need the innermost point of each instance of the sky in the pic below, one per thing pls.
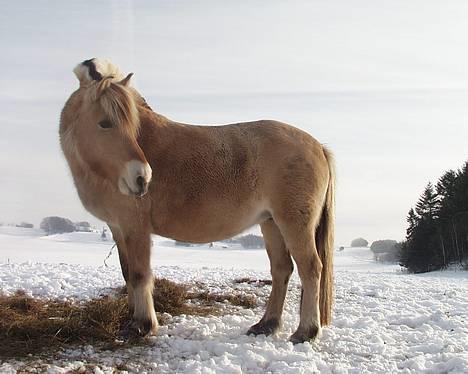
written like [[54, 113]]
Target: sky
[[383, 84]]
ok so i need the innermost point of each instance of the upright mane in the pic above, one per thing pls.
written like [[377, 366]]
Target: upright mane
[[96, 69], [104, 83]]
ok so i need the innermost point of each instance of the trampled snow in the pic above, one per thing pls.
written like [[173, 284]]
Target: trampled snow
[[384, 320]]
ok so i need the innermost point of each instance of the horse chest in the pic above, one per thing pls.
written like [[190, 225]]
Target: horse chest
[[95, 201]]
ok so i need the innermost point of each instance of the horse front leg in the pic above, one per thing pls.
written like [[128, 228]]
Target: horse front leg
[[123, 258], [141, 282]]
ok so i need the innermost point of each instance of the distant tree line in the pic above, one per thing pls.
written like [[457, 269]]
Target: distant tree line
[[386, 250], [25, 225], [359, 242], [59, 225], [437, 233], [248, 241], [251, 241]]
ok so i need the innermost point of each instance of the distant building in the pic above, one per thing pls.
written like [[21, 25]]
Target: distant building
[[83, 226], [25, 225]]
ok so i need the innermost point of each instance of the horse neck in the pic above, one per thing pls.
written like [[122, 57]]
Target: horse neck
[[154, 131]]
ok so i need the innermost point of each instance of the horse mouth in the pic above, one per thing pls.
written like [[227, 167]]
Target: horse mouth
[[141, 193], [125, 188]]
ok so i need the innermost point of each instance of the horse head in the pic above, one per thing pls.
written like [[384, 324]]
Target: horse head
[[100, 125]]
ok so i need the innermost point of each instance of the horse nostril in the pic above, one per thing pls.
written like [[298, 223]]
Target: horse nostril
[[141, 182]]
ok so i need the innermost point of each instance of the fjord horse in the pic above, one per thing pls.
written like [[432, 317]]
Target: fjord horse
[[143, 173]]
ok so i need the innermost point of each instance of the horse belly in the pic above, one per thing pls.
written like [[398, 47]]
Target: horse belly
[[208, 224]]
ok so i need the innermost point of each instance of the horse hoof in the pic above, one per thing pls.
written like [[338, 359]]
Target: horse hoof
[[138, 329], [266, 328], [305, 335]]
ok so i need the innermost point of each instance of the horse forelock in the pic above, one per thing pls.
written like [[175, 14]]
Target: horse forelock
[[118, 103], [102, 83]]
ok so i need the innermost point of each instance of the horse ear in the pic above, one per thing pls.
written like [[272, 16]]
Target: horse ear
[[126, 81]]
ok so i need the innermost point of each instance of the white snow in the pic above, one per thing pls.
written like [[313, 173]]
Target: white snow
[[384, 320]]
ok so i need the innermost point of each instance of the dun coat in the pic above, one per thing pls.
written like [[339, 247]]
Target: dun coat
[[145, 174]]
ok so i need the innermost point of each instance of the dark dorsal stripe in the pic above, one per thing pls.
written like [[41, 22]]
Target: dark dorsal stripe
[[92, 70]]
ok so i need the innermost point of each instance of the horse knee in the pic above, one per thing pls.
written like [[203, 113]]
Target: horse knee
[[125, 274], [124, 268], [138, 278], [316, 267], [309, 267]]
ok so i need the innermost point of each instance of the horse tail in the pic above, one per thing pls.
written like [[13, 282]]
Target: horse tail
[[324, 240]]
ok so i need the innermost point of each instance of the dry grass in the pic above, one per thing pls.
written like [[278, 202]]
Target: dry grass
[[256, 282], [30, 326], [246, 301], [169, 297]]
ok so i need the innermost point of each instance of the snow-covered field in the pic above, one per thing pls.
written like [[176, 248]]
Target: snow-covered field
[[384, 320]]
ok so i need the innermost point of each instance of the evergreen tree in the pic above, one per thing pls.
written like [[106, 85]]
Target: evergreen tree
[[413, 221], [459, 218], [445, 188], [445, 185], [426, 207], [460, 198], [419, 251], [437, 232]]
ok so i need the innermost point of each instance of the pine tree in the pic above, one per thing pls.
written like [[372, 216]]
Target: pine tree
[[461, 189], [413, 221], [459, 218], [446, 189], [437, 232], [426, 207], [445, 184]]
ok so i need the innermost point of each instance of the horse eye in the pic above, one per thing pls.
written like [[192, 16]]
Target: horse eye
[[105, 124]]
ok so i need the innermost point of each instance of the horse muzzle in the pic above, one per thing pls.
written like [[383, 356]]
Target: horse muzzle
[[135, 178]]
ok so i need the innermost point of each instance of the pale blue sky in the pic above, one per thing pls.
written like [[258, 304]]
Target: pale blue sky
[[383, 83]]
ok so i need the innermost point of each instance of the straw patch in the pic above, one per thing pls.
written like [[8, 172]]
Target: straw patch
[[32, 326]]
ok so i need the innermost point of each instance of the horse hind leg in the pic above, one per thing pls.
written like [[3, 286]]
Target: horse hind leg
[[300, 240], [281, 268], [309, 267]]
